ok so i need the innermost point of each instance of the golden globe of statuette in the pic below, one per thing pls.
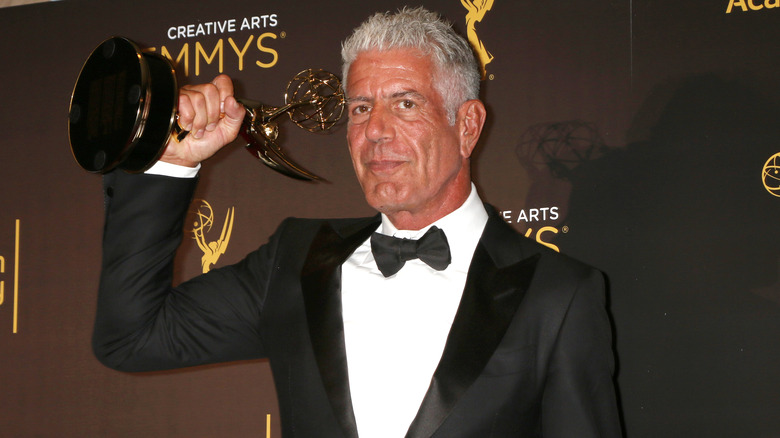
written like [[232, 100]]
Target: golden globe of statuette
[[123, 111], [771, 175]]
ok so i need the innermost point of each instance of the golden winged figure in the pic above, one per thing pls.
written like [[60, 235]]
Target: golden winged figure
[[212, 250], [477, 10]]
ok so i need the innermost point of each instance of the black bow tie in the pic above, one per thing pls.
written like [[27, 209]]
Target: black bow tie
[[391, 253]]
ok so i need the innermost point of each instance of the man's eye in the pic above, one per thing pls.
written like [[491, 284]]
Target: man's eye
[[360, 109], [406, 104]]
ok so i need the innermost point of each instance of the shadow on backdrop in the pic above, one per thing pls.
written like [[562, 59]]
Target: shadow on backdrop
[[686, 232]]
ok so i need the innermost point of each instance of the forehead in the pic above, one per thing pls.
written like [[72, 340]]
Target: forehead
[[376, 71]]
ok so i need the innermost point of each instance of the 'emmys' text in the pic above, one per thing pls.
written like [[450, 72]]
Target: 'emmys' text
[[240, 52]]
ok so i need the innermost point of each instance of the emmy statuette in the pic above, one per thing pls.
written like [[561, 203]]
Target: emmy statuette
[[124, 110]]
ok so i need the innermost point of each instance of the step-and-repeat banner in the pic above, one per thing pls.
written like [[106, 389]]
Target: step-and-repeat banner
[[642, 137]]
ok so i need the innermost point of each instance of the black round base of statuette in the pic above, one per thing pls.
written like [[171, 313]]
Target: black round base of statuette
[[123, 108]]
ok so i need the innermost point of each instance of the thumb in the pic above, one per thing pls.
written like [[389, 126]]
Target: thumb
[[234, 117]]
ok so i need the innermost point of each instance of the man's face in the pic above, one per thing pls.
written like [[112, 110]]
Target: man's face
[[408, 159]]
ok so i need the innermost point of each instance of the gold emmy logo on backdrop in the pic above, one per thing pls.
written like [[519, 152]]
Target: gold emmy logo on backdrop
[[15, 274], [2, 283], [203, 223], [477, 10], [771, 175]]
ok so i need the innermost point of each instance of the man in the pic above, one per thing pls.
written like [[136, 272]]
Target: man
[[492, 335]]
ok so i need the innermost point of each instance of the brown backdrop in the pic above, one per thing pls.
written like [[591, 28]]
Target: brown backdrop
[[631, 134]]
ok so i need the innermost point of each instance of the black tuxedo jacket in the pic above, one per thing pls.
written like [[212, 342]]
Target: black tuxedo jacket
[[528, 355]]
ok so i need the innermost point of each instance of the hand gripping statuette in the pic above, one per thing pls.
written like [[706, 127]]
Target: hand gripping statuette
[[124, 109]]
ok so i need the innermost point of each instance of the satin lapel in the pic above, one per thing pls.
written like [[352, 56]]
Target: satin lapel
[[490, 299], [321, 285]]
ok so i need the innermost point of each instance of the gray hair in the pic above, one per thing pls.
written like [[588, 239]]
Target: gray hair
[[456, 72]]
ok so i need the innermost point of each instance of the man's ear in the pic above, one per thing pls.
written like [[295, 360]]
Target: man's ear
[[471, 119]]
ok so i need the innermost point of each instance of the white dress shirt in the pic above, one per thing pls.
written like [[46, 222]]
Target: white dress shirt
[[395, 328]]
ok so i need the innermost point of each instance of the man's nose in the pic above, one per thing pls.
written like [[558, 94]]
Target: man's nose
[[379, 127]]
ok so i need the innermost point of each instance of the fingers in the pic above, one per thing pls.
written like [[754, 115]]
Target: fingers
[[199, 107], [213, 118]]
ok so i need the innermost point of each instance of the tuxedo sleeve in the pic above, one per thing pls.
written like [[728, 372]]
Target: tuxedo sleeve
[[142, 322], [579, 394]]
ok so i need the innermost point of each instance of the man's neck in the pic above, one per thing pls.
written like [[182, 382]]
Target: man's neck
[[417, 219], [405, 220]]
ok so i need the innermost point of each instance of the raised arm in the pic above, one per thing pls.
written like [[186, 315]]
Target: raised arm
[[142, 322]]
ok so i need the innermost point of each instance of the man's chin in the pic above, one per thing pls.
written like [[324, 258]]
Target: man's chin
[[387, 197]]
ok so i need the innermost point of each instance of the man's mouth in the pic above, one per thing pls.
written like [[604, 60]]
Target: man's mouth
[[383, 166]]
